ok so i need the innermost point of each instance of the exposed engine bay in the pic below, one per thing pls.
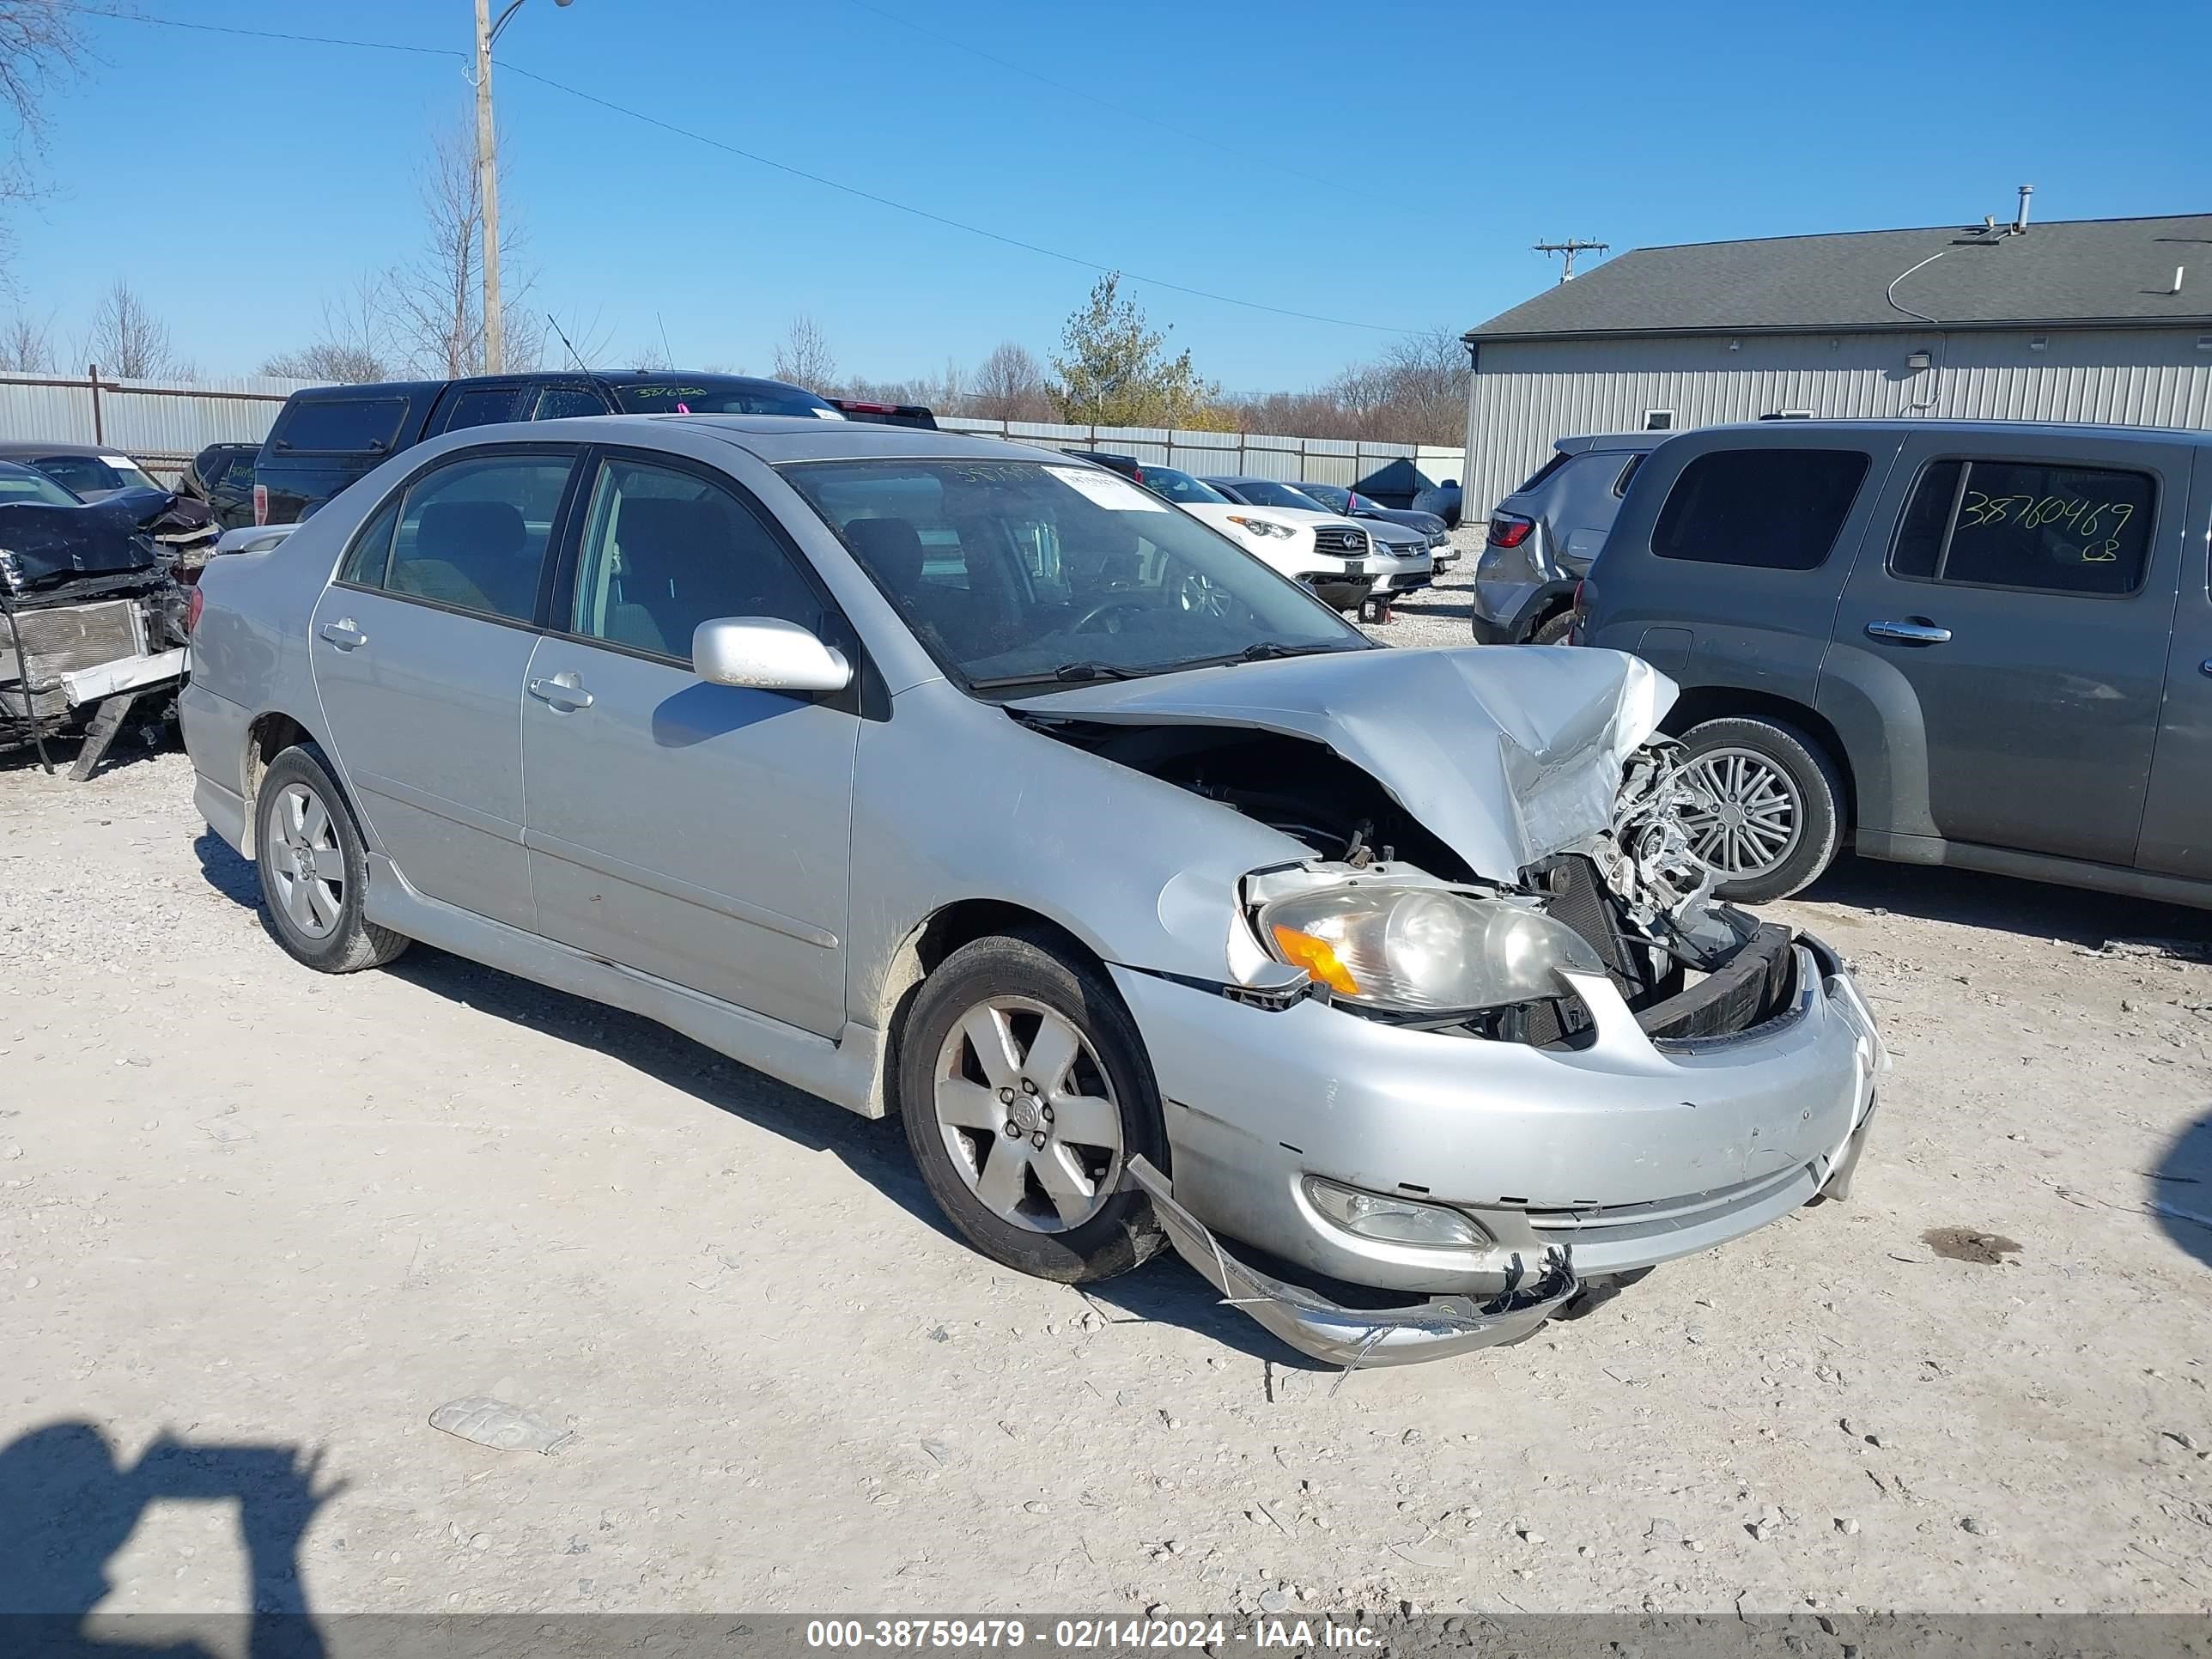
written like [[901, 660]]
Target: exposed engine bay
[[1633, 892], [93, 602]]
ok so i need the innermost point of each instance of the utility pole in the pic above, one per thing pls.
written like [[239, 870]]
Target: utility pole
[[495, 325], [1570, 247]]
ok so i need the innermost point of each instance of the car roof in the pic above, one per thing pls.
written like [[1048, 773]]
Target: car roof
[[613, 377], [1584, 442], [15, 448], [777, 439], [1248, 477], [1978, 428]]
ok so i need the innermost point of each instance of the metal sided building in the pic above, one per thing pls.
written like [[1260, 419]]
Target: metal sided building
[[2094, 319]]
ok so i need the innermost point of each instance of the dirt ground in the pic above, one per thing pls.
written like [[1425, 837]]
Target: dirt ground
[[256, 1225]]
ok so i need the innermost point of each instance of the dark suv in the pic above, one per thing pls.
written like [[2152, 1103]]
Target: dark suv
[[222, 476], [328, 435], [1944, 642]]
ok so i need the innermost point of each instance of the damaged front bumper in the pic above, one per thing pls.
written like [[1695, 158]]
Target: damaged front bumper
[[1576, 1167], [1433, 1327]]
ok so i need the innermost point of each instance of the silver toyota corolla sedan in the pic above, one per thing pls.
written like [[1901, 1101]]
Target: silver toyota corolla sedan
[[954, 778]]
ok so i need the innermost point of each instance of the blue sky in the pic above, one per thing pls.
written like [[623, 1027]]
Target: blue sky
[[1388, 163]]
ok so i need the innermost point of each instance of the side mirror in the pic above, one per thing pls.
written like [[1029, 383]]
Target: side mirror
[[766, 654]]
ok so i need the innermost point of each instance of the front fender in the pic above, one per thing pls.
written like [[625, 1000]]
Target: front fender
[[955, 800]]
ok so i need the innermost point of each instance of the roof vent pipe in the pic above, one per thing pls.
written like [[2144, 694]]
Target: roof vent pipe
[[2019, 219], [2179, 272]]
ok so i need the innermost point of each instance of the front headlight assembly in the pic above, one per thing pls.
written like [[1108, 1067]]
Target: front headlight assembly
[[1263, 528], [1420, 950]]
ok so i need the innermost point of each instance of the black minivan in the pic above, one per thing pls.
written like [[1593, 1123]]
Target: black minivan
[[1938, 641], [326, 436]]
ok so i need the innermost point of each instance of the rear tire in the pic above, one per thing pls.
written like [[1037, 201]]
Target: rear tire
[[1554, 629], [314, 868], [1774, 816], [1022, 1151]]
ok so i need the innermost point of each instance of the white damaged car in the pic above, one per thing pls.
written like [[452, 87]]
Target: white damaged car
[[941, 776]]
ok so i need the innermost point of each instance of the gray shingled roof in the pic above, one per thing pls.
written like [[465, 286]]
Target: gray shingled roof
[[2066, 270]]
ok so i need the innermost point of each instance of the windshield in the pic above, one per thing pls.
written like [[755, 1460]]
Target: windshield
[[1018, 573], [704, 397], [1335, 499], [1181, 487], [20, 483], [1266, 492], [93, 475]]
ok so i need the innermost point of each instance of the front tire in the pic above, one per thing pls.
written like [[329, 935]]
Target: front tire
[[314, 869], [1025, 1089], [1771, 816]]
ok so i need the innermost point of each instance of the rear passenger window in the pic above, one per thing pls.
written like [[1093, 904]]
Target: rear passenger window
[[2057, 528], [472, 535], [1773, 509]]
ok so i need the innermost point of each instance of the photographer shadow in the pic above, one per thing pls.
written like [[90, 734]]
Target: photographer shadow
[[67, 1506]]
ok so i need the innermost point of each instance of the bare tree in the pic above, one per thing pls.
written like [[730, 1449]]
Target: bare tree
[[1428, 375], [127, 339], [41, 44], [354, 346], [1009, 387], [27, 345], [804, 358], [437, 298]]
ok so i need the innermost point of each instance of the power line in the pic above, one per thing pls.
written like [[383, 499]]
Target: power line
[[937, 218], [1109, 104], [252, 34], [749, 155]]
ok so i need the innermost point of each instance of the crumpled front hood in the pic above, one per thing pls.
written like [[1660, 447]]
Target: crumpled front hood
[[1508, 754]]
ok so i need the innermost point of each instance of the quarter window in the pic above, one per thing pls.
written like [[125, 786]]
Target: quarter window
[[1771, 509], [665, 551], [473, 534], [2053, 527], [370, 552], [485, 407], [558, 403]]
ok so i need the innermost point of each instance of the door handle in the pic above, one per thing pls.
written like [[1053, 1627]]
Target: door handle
[[344, 634], [1915, 631], [563, 691], [2205, 667]]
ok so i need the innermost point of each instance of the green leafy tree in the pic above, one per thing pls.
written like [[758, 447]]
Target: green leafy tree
[[1115, 369]]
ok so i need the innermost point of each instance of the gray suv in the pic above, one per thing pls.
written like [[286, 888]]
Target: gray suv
[[1544, 535], [1946, 642]]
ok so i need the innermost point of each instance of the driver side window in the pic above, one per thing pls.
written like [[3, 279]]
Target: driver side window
[[665, 551]]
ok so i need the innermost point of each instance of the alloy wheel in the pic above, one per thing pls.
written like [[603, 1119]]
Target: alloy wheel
[[307, 861], [1028, 1114], [1746, 819]]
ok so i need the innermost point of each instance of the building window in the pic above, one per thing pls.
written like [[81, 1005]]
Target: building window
[[1658, 419], [1770, 508], [2054, 528]]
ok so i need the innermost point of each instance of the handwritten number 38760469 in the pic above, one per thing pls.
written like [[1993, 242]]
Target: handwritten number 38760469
[[2086, 519]]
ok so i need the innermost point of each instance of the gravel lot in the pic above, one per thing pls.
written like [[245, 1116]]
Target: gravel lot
[[282, 1219]]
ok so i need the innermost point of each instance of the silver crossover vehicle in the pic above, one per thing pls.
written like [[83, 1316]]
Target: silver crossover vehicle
[[1544, 536], [952, 778]]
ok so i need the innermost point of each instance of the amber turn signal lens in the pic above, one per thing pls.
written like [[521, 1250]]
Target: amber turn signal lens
[[1318, 958]]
